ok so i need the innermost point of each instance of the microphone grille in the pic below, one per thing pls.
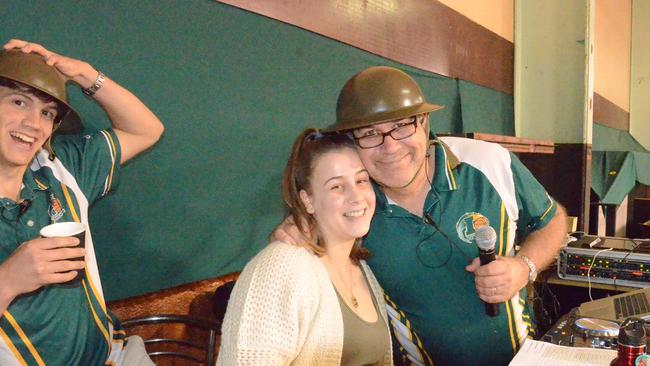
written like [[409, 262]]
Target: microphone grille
[[485, 237]]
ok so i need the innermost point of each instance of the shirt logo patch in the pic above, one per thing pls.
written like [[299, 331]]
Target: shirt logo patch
[[468, 224], [56, 210]]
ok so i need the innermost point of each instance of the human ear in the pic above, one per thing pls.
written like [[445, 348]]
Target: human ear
[[306, 200], [425, 125]]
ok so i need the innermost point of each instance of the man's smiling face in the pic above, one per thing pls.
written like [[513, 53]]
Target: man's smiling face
[[26, 122], [395, 163]]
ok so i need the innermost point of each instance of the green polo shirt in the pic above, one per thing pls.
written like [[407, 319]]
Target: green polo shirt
[[436, 314], [61, 324]]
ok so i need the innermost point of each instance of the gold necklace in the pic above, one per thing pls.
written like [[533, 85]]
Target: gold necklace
[[355, 303], [353, 299]]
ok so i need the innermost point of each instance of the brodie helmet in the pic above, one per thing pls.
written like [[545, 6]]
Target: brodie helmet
[[30, 69], [376, 95]]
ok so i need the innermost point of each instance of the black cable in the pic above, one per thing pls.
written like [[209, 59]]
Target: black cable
[[624, 260], [431, 222], [418, 247]]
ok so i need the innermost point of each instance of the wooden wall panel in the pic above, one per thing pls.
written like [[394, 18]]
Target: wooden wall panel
[[190, 299], [609, 114], [424, 34]]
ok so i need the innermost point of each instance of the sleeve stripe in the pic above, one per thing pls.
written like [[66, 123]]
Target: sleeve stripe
[[111, 144], [548, 209], [24, 338], [11, 346], [111, 147]]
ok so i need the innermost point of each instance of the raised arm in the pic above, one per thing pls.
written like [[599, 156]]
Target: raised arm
[[136, 127]]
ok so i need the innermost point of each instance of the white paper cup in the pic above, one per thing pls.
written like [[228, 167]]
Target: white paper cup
[[65, 229]]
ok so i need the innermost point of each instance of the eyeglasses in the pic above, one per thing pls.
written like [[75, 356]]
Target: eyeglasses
[[373, 138]]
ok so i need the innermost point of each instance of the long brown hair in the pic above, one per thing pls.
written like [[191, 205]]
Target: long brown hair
[[310, 145]]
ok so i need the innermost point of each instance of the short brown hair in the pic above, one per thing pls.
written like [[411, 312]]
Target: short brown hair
[[310, 145]]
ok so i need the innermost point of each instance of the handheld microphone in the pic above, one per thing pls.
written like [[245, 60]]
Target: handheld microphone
[[486, 239]]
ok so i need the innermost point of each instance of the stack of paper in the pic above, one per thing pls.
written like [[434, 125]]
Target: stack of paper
[[536, 353]]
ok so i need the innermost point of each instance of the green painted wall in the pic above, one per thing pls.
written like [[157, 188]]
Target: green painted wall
[[554, 70], [640, 73], [233, 90]]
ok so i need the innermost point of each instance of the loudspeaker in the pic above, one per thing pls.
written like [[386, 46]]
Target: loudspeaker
[[640, 215]]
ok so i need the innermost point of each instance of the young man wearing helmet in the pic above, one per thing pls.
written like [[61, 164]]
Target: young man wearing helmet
[[432, 196], [45, 178]]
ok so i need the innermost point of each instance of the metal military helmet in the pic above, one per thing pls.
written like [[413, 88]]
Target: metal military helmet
[[376, 95], [31, 70]]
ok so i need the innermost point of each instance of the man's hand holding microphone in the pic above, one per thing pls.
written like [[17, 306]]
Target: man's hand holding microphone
[[497, 278]]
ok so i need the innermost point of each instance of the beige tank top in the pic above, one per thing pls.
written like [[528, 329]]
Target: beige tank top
[[364, 343]]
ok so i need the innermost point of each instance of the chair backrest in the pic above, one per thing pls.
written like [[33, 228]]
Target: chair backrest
[[220, 300], [189, 346], [195, 300]]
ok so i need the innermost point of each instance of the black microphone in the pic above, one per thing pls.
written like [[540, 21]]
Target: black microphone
[[23, 206], [486, 239]]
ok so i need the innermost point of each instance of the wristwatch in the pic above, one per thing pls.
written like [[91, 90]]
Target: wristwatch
[[532, 275], [99, 82]]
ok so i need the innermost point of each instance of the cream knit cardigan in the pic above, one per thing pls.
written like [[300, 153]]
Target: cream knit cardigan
[[284, 311]]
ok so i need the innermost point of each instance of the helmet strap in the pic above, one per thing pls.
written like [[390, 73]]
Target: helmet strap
[[48, 147], [425, 161], [48, 144], [427, 129]]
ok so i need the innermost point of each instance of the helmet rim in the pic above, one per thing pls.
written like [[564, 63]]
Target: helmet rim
[[31, 70], [376, 95]]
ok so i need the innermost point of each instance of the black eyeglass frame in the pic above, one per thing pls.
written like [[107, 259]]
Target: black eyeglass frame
[[414, 121]]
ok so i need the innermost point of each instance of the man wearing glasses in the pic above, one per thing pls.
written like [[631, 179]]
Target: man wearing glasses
[[432, 196], [44, 317]]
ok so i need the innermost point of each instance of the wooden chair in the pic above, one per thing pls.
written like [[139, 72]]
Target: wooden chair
[[179, 325], [185, 349]]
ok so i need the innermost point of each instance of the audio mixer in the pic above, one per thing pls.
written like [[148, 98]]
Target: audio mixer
[[617, 261]]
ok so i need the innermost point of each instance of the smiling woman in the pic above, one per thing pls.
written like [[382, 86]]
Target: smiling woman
[[320, 171], [318, 302]]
